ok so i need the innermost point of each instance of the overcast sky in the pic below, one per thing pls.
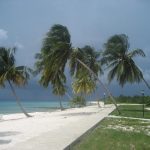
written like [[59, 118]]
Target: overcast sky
[[24, 23]]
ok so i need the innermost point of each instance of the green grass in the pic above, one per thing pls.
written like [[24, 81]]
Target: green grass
[[132, 111], [111, 135], [130, 100]]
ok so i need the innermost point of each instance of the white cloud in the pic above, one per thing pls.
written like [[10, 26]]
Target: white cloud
[[19, 45], [3, 34]]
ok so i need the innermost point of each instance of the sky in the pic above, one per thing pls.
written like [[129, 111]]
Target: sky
[[24, 23]]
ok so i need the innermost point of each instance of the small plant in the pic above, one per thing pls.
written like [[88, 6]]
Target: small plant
[[78, 101]]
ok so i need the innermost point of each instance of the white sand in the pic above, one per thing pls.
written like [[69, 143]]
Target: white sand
[[48, 131]]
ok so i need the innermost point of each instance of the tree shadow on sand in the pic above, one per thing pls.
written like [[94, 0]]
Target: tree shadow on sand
[[8, 133], [4, 142], [5, 134], [79, 114]]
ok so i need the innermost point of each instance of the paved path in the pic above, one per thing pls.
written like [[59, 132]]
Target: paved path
[[59, 138]]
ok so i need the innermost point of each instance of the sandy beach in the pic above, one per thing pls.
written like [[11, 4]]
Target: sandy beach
[[48, 131]]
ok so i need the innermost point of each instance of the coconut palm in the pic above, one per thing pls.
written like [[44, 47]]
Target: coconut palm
[[53, 57], [120, 61], [79, 62], [85, 82], [100, 82], [11, 73]]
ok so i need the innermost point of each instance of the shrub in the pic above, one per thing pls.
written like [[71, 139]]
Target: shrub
[[78, 101]]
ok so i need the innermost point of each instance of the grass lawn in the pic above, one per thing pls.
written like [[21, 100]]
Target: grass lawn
[[132, 111], [117, 134]]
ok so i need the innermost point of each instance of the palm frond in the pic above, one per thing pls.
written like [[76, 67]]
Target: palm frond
[[136, 52], [8, 71]]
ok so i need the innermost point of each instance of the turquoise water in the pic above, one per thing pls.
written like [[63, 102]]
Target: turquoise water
[[9, 107]]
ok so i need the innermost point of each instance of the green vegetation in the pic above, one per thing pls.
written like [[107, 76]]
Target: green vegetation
[[52, 59], [130, 100], [85, 65], [56, 51], [84, 82], [9, 72], [78, 101], [117, 134], [119, 60], [132, 111]]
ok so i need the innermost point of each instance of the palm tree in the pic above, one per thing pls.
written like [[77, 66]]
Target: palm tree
[[85, 82], [14, 75], [101, 83], [79, 62], [53, 57], [120, 61], [55, 52]]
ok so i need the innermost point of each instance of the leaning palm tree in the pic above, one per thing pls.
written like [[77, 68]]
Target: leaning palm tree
[[13, 75], [85, 82], [119, 60], [78, 62], [53, 57]]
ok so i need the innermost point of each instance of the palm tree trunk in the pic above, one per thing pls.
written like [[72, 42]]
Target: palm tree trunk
[[83, 97], [122, 91], [146, 83], [18, 100], [60, 103], [98, 100], [98, 103], [106, 89]]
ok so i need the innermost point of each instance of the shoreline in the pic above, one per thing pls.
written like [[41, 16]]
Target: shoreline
[[36, 108], [59, 127], [7, 116]]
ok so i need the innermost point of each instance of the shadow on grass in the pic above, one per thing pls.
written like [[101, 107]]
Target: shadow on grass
[[131, 110]]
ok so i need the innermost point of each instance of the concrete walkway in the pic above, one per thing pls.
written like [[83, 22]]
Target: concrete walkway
[[59, 138]]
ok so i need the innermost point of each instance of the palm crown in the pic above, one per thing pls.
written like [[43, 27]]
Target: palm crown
[[53, 57], [19, 75], [120, 61]]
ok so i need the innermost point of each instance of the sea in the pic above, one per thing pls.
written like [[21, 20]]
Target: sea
[[11, 107]]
